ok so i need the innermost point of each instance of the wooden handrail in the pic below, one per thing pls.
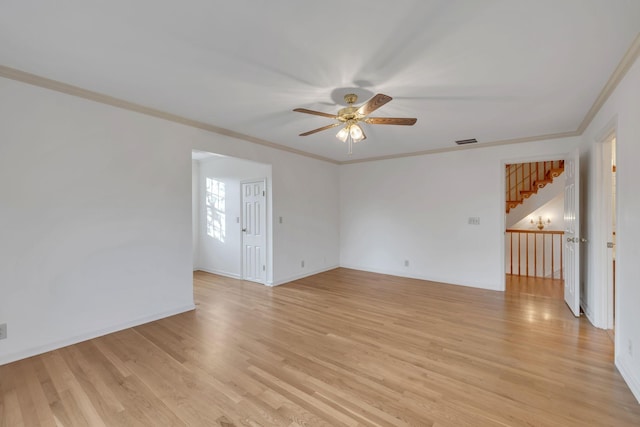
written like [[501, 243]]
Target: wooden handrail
[[511, 230]]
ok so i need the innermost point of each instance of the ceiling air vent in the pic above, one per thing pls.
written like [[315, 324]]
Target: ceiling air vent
[[466, 141]]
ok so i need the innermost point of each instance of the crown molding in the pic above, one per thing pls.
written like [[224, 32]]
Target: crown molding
[[32, 79], [621, 70], [467, 147]]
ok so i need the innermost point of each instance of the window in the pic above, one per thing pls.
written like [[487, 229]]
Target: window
[[216, 224]]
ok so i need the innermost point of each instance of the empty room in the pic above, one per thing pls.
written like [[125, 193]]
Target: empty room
[[341, 213]]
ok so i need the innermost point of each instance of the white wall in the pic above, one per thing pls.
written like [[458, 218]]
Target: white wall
[[622, 110], [95, 220], [552, 210], [95, 216], [223, 256], [417, 209], [195, 211]]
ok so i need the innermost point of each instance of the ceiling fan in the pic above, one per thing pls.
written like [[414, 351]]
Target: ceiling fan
[[351, 115]]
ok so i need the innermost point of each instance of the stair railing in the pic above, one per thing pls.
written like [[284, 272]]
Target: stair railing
[[524, 179], [534, 253]]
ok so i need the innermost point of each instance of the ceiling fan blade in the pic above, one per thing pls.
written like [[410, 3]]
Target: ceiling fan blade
[[315, 113], [373, 104], [320, 129], [391, 121]]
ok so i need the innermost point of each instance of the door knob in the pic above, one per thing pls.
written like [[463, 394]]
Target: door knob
[[570, 239], [244, 230]]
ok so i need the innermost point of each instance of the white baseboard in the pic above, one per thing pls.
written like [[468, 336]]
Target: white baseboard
[[8, 358], [419, 277], [220, 273], [629, 377], [301, 276]]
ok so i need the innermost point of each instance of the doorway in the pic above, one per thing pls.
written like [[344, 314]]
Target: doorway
[[570, 241], [534, 227], [609, 196], [219, 217], [601, 292]]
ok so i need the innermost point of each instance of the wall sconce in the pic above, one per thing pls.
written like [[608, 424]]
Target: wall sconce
[[540, 224]]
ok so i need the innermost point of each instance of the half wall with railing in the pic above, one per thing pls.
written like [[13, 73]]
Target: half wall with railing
[[534, 253]]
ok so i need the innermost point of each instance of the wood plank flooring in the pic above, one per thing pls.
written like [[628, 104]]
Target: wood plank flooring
[[342, 348], [538, 286]]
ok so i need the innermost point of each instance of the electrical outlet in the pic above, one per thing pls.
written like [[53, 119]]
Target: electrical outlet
[[630, 348], [406, 263], [474, 220], [302, 263], [3, 331]]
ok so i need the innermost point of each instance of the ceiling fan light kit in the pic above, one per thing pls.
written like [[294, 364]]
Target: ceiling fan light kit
[[351, 116], [351, 133]]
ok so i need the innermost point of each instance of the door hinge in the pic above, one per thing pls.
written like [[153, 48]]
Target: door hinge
[[263, 193], [610, 245], [264, 268]]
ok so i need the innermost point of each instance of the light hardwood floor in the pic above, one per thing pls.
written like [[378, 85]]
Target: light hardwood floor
[[537, 286], [339, 348]]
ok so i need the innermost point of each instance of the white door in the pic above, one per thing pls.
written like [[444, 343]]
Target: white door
[[572, 232], [254, 263]]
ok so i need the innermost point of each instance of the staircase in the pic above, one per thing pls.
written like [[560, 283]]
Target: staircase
[[525, 179]]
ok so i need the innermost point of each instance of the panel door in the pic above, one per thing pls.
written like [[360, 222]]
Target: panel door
[[254, 231], [572, 238]]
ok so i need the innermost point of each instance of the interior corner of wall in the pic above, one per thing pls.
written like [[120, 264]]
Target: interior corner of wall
[[629, 375]]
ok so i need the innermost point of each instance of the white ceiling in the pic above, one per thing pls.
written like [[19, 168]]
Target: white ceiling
[[490, 69]]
